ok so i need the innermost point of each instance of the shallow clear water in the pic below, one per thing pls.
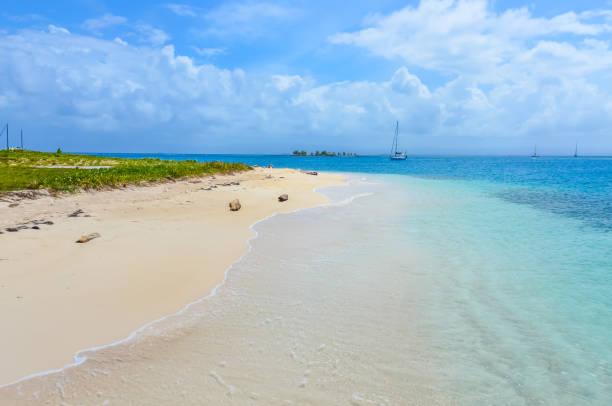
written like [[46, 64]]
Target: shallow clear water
[[458, 288], [525, 294]]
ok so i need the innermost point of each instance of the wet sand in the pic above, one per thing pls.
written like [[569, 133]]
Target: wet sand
[[161, 247]]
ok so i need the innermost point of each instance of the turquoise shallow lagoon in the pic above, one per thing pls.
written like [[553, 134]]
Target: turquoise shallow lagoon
[[522, 295], [438, 280]]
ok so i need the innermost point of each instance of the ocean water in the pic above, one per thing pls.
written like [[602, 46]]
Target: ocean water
[[438, 280]]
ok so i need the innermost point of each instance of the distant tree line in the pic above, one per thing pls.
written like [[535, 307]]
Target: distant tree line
[[323, 153]]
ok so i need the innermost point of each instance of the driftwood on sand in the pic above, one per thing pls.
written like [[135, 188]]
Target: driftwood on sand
[[235, 205], [76, 213], [87, 238], [32, 224]]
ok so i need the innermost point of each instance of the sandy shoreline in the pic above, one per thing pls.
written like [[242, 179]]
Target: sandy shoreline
[[161, 247]]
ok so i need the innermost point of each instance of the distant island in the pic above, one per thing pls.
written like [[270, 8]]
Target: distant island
[[323, 153]]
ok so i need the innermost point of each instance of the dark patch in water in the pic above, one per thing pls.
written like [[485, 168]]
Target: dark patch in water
[[594, 210]]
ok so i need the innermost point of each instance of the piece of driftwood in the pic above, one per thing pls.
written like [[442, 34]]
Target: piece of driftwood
[[235, 205], [87, 238]]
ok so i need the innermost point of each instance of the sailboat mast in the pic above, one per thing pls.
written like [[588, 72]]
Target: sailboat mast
[[396, 134], [394, 143]]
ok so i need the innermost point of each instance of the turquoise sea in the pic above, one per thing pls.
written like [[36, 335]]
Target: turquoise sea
[[524, 248], [435, 280]]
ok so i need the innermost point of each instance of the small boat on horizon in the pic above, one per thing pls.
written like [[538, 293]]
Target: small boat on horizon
[[535, 152], [396, 155], [576, 151]]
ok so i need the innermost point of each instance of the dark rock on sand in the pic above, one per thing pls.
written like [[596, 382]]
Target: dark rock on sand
[[283, 198], [311, 173], [76, 213], [235, 205]]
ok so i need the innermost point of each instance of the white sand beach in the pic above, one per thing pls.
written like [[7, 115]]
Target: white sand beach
[[160, 247]]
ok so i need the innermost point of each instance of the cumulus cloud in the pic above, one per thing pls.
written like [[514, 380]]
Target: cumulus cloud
[[405, 82], [465, 37], [85, 85], [518, 79], [514, 74]]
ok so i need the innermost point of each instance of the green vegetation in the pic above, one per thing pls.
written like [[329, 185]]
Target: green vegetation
[[323, 153], [21, 170]]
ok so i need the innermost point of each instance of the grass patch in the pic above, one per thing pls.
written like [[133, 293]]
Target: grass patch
[[21, 170]]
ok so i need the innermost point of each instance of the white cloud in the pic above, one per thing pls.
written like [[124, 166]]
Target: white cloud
[[285, 82], [57, 30], [245, 19], [85, 85], [182, 10], [120, 41], [208, 52], [405, 82], [152, 35], [510, 82], [107, 20], [515, 74], [465, 37], [141, 32]]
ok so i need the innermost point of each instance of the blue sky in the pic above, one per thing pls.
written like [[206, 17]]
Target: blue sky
[[462, 77]]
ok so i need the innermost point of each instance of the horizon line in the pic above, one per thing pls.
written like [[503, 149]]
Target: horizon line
[[332, 156]]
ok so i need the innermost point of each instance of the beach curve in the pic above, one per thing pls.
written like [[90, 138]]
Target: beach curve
[[254, 188]]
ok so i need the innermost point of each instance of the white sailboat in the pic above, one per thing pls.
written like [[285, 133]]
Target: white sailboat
[[535, 152], [395, 154]]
